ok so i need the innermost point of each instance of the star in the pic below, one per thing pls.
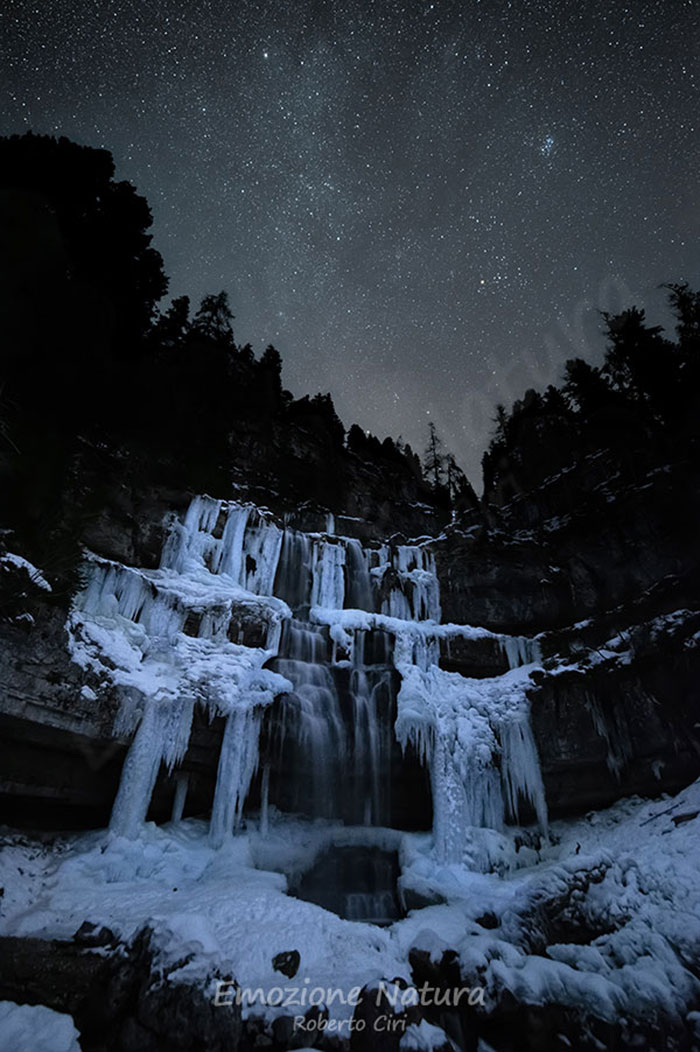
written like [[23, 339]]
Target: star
[[436, 200], [547, 146]]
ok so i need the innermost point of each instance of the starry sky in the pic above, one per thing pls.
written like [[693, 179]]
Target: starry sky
[[423, 204]]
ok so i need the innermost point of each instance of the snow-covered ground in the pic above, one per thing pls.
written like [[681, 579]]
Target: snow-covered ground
[[624, 880]]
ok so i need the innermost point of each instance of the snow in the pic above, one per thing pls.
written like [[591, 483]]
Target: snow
[[634, 876], [20, 563], [199, 899], [518, 649], [423, 1037], [630, 872], [35, 1028]]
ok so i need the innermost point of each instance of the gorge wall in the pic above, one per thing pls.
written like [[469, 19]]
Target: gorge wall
[[599, 566]]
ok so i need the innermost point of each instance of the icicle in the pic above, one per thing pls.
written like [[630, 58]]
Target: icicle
[[229, 556], [415, 566], [615, 736], [265, 801], [449, 804], [139, 774], [397, 605], [520, 650], [180, 797], [521, 768], [261, 553], [247, 549], [237, 763], [191, 541], [421, 736], [117, 591], [328, 586], [435, 612], [426, 599], [455, 724], [175, 731], [425, 651], [273, 636], [482, 785]]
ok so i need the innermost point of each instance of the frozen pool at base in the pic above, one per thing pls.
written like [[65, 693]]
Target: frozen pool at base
[[356, 882]]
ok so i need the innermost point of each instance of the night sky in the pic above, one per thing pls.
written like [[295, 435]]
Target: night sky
[[423, 205]]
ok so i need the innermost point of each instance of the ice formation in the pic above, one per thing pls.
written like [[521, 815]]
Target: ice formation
[[475, 737], [334, 621], [18, 562]]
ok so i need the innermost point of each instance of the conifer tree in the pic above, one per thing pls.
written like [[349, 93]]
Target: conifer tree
[[213, 319], [434, 459]]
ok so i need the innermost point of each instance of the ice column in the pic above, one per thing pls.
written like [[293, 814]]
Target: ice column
[[139, 773], [474, 735], [230, 555], [238, 762], [520, 767], [328, 587]]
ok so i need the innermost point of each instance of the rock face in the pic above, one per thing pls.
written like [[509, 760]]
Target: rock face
[[121, 997], [564, 553], [603, 734], [59, 760], [300, 471], [598, 551], [600, 561]]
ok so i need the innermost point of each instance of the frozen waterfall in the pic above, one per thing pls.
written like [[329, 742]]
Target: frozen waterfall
[[318, 653]]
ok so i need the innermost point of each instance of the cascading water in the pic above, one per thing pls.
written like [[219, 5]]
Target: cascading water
[[359, 586], [294, 571], [336, 627], [331, 736], [309, 733]]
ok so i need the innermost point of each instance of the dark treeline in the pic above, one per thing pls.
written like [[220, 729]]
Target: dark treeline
[[90, 366], [85, 347], [642, 404]]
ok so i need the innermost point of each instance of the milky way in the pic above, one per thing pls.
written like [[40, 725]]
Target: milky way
[[423, 205]]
